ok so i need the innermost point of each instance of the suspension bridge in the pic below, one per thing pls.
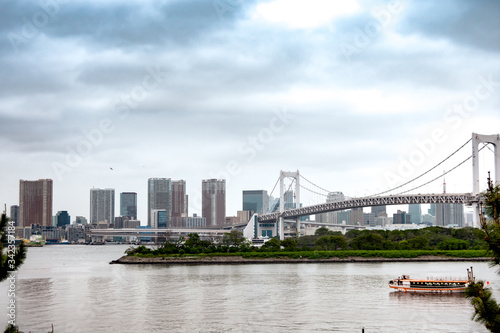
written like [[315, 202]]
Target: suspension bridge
[[287, 211]]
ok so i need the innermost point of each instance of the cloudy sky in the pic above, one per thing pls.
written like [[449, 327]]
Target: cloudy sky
[[360, 96]]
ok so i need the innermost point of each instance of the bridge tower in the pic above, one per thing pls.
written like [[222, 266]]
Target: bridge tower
[[295, 175], [476, 139]]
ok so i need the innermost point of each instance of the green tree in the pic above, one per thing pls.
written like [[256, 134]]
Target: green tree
[[368, 241], [233, 238], [289, 244], [331, 243], [323, 231], [486, 309], [273, 244]]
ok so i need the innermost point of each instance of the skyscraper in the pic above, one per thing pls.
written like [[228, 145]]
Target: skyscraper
[[160, 197], [102, 205], [255, 201], [35, 202], [128, 205], [415, 211], [14, 214], [179, 199], [213, 201], [62, 218]]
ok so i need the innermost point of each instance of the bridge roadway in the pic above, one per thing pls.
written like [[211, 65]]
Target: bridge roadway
[[448, 198]]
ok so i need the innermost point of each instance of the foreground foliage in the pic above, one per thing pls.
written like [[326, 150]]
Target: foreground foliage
[[486, 309]]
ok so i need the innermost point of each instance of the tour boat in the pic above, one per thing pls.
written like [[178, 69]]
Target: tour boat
[[436, 285]]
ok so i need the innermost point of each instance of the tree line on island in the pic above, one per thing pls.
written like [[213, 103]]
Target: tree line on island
[[430, 238]]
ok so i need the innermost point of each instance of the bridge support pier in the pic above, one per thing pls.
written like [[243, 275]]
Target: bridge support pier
[[297, 223], [486, 139]]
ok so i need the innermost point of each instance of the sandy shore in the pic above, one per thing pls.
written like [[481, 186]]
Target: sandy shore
[[235, 260]]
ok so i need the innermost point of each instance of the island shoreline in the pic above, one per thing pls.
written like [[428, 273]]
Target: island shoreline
[[238, 260]]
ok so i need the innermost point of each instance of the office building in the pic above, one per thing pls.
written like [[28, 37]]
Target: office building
[[450, 214], [213, 201], [160, 197], [14, 214], [102, 205], [128, 205], [356, 216], [179, 199], [158, 218], [256, 202], [35, 202], [379, 210], [62, 218], [331, 217], [415, 211], [80, 220], [401, 217]]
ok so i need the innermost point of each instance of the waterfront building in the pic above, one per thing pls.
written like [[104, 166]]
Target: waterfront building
[[432, 210], [369, 219], [179, 199], [344, 217], [120, 222], [196, 221], [102, 205], [14, 214], [160, 197], [415, 211], [35, 202], [213, 201], [62, 218], [133, 224], [128, 205], [255, 201], [243, 216]]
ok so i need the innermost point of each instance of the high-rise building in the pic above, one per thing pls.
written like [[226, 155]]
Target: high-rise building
[[14, 214], [378, 210], [213, 201], [450, 214], [35, 202], [415, 211], [432, 210], [80, 220], [331, 217], [255, 202], [356, 216], [160, 197], [102, 205], [179, 199], [401, 217], [62, 218], [128, 205]]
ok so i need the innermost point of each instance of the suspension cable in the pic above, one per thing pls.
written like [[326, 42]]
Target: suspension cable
[[274, 186], [447, 172], [307, 180], [308, 189], [426, 172]]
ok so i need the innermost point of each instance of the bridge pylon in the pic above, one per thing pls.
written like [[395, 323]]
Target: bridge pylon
[[486, 139], [281, 223]]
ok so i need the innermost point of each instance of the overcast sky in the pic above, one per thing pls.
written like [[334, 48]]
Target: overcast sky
[[359, 96]]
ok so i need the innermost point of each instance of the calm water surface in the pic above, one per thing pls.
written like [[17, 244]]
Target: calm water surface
[[75, 288]]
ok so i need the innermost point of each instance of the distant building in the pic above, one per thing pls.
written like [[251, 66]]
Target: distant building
[[450, 214], [14, 214], [159, 218], [356, 216], [81, 220], [62, 218], [415, 211], [331, 217], [102, 205], [231, 220], [377, 210], [196, 221], [214, 201], [344, 217], [243, 216], [179, 199], [160, 197], [120, 222], [369, 219], [128, 205], [432, 210], [35, 202], [401, 217], [255, 201], [133, 224]]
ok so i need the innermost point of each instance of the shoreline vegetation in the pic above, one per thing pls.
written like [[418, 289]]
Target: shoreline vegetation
[[305, 257], [428, 244]]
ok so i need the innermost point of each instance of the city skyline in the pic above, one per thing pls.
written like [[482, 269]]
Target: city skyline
[[359, 96]]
